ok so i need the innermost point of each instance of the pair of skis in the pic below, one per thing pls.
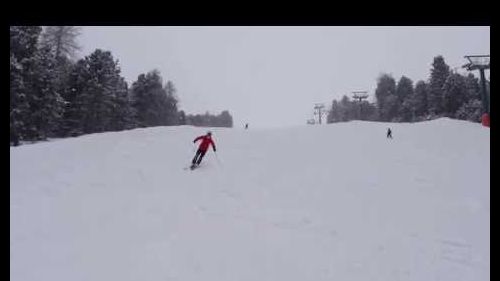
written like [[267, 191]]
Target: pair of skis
[[192, 167]]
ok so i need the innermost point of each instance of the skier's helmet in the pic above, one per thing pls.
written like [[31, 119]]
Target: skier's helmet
[[209, 133]]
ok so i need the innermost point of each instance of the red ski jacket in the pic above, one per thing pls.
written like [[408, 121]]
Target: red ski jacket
[[206, 141]]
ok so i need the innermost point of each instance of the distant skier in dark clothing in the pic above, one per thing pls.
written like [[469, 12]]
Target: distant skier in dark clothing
[[206, 141], [389, 133], [246, 126]]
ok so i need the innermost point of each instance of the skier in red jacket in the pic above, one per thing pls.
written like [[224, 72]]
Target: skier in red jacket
[[206, 141]]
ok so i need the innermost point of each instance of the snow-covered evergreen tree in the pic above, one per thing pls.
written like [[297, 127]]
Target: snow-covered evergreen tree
[[471, 108], [23, 48], [61, 40], [334, 113], [471, 111], [439, 73], [182, 119], [387, 101], [369, 111], [19, 107], [171, 111], [348, 110], [454, 94], [96, 97], [420, 99], [154, 104], [148, 99], [226, 120], [46, 104], [24, 42], [404, 93], [71, 124], [122, 114]]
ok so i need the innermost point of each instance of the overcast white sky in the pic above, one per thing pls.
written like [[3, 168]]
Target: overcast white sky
[[273, 76]]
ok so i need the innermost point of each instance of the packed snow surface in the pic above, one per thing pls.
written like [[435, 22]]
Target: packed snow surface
[[330, 202]]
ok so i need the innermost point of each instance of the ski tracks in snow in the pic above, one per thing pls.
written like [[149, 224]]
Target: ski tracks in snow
[[452, 251], [456, 252]]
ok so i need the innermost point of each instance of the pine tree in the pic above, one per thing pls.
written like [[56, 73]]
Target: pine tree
[[23, 48], [439, 73], [97, 96], [404, 89], [72, 120], [454, 94], [334, 113], [369, 111], [149, 100], [471, 109], [226, 120], [207, 120], [122, 115], [45, 102], [61, 40], [385, 94], [473, 87], [346, 109], [171, 104], [404, 93], [420, 99], [391, 106], [18, 102], [24, 42], [182, 119]]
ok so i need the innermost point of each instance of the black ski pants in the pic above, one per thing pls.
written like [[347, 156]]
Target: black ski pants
[[198, 156]]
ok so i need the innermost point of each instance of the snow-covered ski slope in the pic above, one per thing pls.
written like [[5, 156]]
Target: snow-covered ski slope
[[331, 202]]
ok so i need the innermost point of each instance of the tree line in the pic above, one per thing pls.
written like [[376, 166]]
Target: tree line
[[52, 96], [446, 93]]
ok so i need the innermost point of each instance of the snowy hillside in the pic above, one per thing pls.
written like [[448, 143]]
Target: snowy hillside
[[332, 202]]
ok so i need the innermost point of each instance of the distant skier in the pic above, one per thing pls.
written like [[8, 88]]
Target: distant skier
[[246, 126], [389, 133], [206, 141]]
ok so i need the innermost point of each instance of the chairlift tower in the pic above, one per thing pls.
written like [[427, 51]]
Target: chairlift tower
[[317, 111], [480, 63], [359, 96]]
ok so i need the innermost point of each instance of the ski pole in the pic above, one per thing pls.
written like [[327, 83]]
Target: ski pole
[[217, 157]]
